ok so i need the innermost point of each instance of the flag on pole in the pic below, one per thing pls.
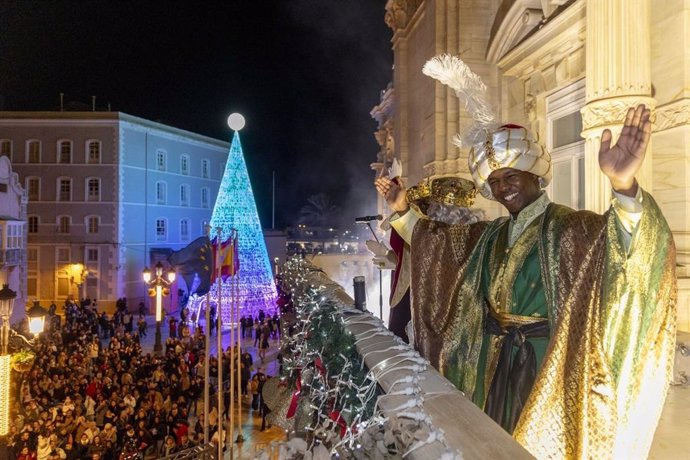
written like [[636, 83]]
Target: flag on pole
[[225, 259]]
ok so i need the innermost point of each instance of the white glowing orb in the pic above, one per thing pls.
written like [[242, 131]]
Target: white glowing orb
[[236, 121]]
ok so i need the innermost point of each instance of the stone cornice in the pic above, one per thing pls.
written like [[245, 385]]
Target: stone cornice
[[673, 114], [611, 112]]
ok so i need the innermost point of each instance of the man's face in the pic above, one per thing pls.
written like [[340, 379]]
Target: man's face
[[514, 189]]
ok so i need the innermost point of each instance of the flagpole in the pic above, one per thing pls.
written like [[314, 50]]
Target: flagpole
[[232, 363], [219, 343], [207, 357], [236, 273]]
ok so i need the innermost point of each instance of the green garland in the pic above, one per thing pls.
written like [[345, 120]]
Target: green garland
[[321, 336]]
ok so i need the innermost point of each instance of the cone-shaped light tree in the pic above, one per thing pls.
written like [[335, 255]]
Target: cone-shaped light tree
[[235, 209]]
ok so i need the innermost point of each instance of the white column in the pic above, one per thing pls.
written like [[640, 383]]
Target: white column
[[618, 77]]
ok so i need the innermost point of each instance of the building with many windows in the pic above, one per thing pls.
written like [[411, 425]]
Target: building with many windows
[[107, 193]]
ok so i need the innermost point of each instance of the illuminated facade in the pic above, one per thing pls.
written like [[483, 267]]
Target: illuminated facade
[[107, 194]]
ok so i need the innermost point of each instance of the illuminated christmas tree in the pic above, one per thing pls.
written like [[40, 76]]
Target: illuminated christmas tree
[[235, 209]]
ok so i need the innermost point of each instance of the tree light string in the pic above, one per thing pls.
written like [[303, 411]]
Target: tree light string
[[338, 412]]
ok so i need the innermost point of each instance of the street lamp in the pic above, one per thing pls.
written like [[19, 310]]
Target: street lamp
[[159, 286], [36, 322]]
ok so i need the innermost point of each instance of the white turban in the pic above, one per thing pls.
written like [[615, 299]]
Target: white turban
[[511, 146]]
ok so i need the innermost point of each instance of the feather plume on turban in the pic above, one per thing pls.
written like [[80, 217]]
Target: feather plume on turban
[[509, 146]]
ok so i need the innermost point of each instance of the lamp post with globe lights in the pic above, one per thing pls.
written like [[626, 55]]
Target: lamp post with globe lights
[[159, 286], [36, 316]]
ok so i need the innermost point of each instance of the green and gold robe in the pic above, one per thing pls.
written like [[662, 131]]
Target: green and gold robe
[[609, 298]]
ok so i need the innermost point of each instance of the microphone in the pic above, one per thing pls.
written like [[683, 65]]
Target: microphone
[[365, 219]]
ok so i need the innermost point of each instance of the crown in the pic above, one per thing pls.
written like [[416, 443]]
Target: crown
[[446, 190]]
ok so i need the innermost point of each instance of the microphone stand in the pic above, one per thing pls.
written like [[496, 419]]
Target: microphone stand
[[380, 274]]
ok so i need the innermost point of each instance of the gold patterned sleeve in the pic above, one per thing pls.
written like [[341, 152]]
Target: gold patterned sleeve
[[446, 323], [639, 324]]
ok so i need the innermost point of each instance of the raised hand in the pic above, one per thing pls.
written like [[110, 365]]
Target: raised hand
[[621, 162], [393, 191]]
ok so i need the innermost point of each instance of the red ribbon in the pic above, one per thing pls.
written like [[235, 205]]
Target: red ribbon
[[319, 365], [337, 418], [295, 397]]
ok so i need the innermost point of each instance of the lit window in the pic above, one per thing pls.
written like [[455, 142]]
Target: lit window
[[33, 150], [62, 286], [93, 189], [184, 165], [184, 195], [65, 189], [92, 224], [94, 151], [64, 223], [6, 147], [160, 160], [204, 197], [161, 230], [65, 152], [184, 230], [566, 146], [161, 192], [33, 186], [205, 169], [32, 222]]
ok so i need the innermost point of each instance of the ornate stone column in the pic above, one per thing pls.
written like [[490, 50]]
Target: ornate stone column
[[618, 77]]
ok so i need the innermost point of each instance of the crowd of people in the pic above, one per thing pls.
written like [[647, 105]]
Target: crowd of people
[[92, 393]]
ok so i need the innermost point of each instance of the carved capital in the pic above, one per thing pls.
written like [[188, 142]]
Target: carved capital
[[399, 12], [608, 112], [671, 115]]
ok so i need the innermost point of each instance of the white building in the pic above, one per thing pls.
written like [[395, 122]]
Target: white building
[[109, 194], [12, 234]]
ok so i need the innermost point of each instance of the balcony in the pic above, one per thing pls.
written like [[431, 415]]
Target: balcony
[[10, 256]]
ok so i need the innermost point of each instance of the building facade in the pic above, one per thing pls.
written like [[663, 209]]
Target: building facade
[[567, 69], [13, 202], [108, 194]]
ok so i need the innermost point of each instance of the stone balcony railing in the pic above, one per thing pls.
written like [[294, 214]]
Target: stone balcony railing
[[466, 428]]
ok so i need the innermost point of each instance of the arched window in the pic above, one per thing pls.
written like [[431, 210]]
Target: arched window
[[184, 230], [161, 192], [184, 195], [33, 188], [64, 151], [64, 224], [161, 159], [205, 169], [64, 186], [33, 151], [92, 224], [93, 151], [205, 197], [93, 189], [161, 229], [184, 165]]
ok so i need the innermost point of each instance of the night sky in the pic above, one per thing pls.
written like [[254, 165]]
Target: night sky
[[304, 73]]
